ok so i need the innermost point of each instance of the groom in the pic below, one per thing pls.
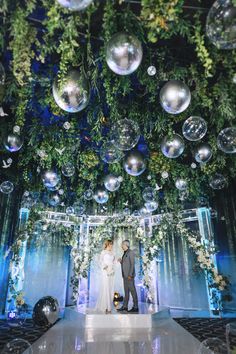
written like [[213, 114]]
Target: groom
[[128, 274]]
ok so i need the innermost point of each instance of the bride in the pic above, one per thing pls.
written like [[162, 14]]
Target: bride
[[106, 291]]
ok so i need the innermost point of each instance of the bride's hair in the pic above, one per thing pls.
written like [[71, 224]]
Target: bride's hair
[[107, 243]]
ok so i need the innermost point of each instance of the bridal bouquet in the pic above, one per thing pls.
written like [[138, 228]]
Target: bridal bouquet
[[110, 271]]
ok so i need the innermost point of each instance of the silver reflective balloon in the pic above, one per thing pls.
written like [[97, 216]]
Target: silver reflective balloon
[[17, 346], [46, 311], [111, 183], [124, 53], [151, 206], [6, 187], [2, 74], [79, 208], [213, 346], [50, 179], [175, 97], [181, 184], [88, 194], [172, 147], [226, 140], [101, 196], [221, 24], [75, 5], [13, 142], [194, 128], [68, 169], [134, 163], [109, 153], [70, 210], [125, 134], [203, 153], [218, 181], [72, 93], [149, 194]]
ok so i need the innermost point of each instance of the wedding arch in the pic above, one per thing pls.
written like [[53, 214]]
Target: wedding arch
[[84, 248]]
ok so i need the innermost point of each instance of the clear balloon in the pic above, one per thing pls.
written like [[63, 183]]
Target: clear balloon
[[175, 97], [6, 187], [213, 346], [149, 194], [2, 74], [101, 196], [111, 183], [51, 179], [17, 346], [125, 134], [221, 24], [79, 208], [226, 140], [68, 169], [151, 206], [75, 5], [110, 154], [218, 181], [13, 142], [194, 128], [88, 194], [72, 93], [54, 200], [134, 163], [172, 147], [124, 53], [181, 184], [70, 210], [46, 311], [203, 153], [144, 212]]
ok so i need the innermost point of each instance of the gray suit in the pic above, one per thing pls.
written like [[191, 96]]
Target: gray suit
[[128, 270]]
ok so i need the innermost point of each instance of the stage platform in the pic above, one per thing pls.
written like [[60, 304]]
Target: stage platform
[[87, 317]]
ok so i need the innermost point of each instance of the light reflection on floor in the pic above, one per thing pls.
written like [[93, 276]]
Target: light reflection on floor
[[66, 337]]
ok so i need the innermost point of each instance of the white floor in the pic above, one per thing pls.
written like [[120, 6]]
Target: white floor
[[167, 337]]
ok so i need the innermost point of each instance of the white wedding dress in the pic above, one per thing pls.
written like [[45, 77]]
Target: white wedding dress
[[106, 291]]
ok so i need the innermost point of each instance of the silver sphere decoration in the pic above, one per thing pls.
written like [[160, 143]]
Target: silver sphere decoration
[[181, 184], [172, 147], [54, 200], [151, 206], [218, 181], [70, 210], [221, 24], [75, 5], [134, 163], [101, 196], [125, 134], [51, 179], [149, 194], [88, 194], [152, 70], [111, 183], [226, 140], [46, 311], [124, 53], [6, 187], [193, 165], [110, 154], [213, 346], [72, 94], [13, 142], [79, 208], [68, 169], [2, 74], [175, 97], [203, 153], [194, 128], [17, 346]]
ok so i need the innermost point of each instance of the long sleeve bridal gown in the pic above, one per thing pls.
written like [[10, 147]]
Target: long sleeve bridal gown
[[106, 291]]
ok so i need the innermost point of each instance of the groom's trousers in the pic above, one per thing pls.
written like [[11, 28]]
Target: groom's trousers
[[129, 287]]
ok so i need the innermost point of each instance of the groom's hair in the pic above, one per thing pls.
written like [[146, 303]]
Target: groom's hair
[[127, 243]]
